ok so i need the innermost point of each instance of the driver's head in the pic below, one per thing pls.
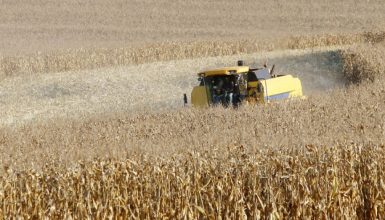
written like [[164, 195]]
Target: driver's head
[[220, 83]]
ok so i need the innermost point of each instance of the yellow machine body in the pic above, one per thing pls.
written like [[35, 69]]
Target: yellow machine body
[[242, 87], [280, 87], [199, 96]]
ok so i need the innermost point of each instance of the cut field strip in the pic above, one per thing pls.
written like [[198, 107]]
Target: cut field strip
[[153, 87]]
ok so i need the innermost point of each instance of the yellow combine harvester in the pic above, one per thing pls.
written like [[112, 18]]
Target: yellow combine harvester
[[231, 86]]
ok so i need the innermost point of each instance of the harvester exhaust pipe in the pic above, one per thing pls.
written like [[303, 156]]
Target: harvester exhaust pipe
[[272, 70], [240, 62]]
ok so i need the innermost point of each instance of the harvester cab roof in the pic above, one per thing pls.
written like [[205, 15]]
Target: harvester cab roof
[[252, 74], [225, 71]]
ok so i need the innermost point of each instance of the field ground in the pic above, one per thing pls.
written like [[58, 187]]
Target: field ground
[[92, 123], [154, 86]]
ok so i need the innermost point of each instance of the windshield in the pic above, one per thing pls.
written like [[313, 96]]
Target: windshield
[[256, 75], [223, 89]]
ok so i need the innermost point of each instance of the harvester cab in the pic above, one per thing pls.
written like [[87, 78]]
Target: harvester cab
[[230, 86]]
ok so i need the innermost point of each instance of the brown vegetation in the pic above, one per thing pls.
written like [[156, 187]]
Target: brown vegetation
[[364, 62], [81, 59], [46, 25], [322, 157], [343, 182]]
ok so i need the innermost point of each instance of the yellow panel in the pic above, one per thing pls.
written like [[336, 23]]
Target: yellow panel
[[252, 84], [298, 91], [282, 84], [226, 71], [199, 97]]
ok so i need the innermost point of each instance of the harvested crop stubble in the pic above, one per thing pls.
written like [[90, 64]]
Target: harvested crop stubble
[[96, 58], [346, 181]]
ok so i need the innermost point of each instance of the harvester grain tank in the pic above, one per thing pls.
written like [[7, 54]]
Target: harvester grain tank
[[231, 86]]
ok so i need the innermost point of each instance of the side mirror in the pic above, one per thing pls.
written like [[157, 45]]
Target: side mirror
[[185, 99]]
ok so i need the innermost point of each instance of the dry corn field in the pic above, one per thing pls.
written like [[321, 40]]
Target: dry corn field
[[92, 124]]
